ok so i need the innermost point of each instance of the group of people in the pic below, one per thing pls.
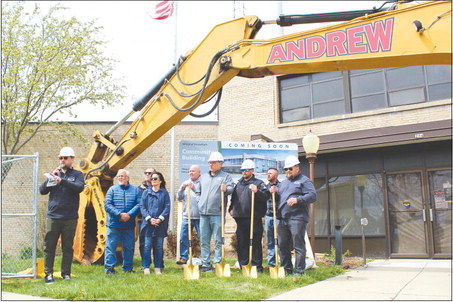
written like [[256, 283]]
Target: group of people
[[292, 197], [149, 204]]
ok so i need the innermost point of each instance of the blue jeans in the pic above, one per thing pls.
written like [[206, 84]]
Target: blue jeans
[[269, 227], [210, 226], [291, 233], [157, 245], [115, 236], [184, 240]]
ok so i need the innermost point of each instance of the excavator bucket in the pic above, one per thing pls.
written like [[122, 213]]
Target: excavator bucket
[[90, 237]]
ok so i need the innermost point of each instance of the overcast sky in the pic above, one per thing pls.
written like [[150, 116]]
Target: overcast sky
[[145, 48]]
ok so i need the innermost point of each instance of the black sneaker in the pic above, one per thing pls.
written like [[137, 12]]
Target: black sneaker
[[66, 277], [49, 279], [181, 261], [110, 271], [206, 269]]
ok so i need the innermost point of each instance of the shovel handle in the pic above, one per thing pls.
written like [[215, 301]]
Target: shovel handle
[[275, 228], [189, 224], [222, 202]]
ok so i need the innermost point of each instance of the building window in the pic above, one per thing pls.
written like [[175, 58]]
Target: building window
[[351, 199], [317, 95]]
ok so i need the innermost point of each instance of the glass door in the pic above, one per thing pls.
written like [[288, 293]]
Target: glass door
[[440, 203], [407, 215]]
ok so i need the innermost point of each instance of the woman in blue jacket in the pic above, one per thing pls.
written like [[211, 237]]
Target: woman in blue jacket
[[155, 208]]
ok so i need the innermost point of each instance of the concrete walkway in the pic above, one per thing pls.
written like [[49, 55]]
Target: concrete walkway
[[18, 297], [383, 280]]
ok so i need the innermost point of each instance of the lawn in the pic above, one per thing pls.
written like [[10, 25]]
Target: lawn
[[90, 283]]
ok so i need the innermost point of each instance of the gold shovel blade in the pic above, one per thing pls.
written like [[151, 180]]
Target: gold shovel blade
[[276, 272], [191, 272], [250, 271], [222, 270]]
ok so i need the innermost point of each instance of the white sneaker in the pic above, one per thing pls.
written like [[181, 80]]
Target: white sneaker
[[146, 271], [157, 271]]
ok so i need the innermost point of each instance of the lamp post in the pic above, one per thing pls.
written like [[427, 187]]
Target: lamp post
[[361, 181], [310, 142]]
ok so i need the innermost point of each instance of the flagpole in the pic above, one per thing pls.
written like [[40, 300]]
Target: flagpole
[[172, 148]]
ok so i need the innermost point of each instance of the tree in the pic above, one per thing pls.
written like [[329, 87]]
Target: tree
[[50, 64]]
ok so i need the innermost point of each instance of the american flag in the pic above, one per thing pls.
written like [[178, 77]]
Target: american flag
[[163, 10]]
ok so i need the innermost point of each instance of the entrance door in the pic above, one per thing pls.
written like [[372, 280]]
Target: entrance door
[[420, 220], [440, 204], [407, 216]]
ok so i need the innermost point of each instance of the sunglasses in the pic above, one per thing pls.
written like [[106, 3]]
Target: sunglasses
[[148, 173], [290, 169], [245, 170], [63, 157], [154, 178]]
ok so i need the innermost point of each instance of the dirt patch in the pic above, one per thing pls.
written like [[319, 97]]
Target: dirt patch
[[346, 263]]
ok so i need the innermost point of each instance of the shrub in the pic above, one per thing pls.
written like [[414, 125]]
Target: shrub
[[27, 253]]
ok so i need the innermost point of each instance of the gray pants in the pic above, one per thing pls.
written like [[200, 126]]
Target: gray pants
[[55, 228], [291, 234]]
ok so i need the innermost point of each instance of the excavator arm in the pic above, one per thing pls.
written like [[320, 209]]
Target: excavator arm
[[403, 35]]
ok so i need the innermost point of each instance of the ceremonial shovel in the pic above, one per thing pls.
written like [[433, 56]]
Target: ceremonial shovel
[[191, 272], [277, 271], [249, 270], [222, 269]]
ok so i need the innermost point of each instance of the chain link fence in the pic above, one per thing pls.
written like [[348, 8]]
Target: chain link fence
[[19, 175]]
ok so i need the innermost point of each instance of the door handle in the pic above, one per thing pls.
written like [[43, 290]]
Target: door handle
[[424, 215], [431, 215]]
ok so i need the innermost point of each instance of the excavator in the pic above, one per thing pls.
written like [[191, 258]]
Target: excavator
[[399, 33]]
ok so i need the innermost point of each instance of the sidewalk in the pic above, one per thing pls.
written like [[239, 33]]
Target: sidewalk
[[384, 280], [18, 297]]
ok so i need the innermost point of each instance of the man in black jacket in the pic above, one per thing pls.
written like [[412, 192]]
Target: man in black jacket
[[64, 185], [240, 210]]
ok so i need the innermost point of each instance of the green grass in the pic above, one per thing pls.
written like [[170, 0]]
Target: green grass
[[90, 283]]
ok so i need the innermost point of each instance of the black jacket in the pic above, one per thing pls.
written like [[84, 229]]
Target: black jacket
[[64, 197], [241, 199]]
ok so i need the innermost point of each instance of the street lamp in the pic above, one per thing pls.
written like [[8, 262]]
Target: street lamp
[[310, 142], [361, 181]]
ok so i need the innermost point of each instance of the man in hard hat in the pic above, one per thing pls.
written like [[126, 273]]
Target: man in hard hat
[[194, 184], [122, 204], [272, 178], [211, 184], [240, 209], [64, 185], [296, 193]]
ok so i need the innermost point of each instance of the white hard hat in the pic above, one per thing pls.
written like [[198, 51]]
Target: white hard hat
[[248, 164], [67, 151], [215, 156], [291, 161]]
